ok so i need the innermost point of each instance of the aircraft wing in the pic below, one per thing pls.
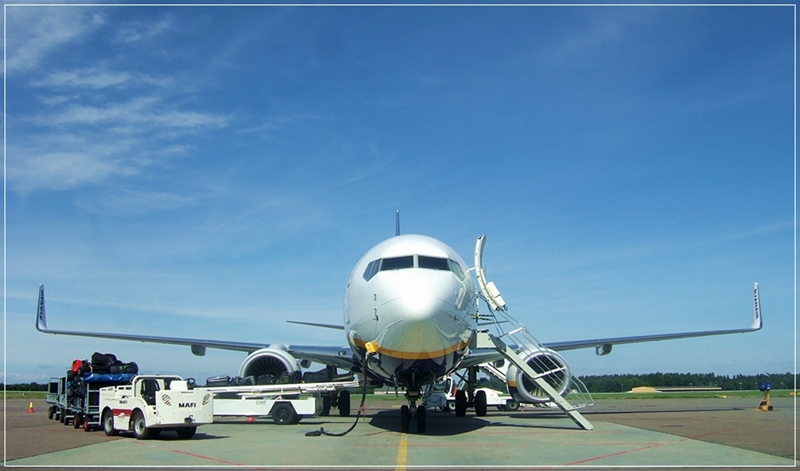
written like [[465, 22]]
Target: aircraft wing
[[604, 346], [341, 357]]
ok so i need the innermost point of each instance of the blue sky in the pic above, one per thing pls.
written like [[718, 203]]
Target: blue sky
[[213, 172]]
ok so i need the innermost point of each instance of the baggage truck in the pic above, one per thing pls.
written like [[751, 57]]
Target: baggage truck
[[286, 403], [155, 403]]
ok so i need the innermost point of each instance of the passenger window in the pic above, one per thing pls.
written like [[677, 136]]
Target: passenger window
[[397, 263], [433, 263]]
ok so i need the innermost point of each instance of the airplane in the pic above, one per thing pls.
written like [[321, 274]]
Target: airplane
[[411, 317]]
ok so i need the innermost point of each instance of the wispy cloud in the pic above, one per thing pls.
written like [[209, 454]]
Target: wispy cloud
[[29, 170], [98, 78], [149, 111], [34, 32], [141, 31], [82, 144], [134, 202]]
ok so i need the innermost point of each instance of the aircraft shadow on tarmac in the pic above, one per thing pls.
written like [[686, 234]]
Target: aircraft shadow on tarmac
[[446, 423]]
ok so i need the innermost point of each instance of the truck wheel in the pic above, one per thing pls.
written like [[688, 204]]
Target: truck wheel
[[61, 414], [186, 432], [140, 430], [326, 406], [77, 421], [283, 414], [86, 426], [50, 413], [108, 423], [344, 403]]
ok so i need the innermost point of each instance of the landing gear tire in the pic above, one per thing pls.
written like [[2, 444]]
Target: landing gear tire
[[405, 419], [283, 414], [140, 430], [422, 421], [108, 424], [512, 405], [480, 403], [344, 403], [461, 403]]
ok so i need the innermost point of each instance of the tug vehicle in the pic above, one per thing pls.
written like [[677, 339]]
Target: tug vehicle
[[154, 403]]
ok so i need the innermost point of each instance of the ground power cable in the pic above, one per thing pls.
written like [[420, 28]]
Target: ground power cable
[[322, 431]]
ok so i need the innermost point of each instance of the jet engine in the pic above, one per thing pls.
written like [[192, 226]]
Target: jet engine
[[542, 361], [271, 365]]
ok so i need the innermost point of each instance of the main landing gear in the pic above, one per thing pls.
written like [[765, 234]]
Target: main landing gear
[[470, 397], [412, 410]]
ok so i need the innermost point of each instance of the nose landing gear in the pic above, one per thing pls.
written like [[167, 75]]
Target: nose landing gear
[[412, 410]]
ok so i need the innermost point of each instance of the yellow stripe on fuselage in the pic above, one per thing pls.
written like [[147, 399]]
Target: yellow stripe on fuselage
[[403, 355]]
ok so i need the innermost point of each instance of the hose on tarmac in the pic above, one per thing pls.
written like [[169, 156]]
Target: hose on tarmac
[[322, 431]]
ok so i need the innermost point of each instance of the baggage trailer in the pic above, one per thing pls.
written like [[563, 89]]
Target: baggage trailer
[[154, 403], [282, 402], [52, 398], [83, 403]]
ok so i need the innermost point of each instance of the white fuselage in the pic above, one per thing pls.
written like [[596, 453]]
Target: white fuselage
[[412, 297]]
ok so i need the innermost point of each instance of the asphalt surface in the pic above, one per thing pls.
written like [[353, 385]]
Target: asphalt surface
[[726, 421]]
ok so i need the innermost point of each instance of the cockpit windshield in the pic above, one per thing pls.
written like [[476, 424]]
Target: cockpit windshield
[[413, 261], [397, 263], [433, 263]]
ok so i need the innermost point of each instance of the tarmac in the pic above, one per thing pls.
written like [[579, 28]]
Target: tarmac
[[628, 433]]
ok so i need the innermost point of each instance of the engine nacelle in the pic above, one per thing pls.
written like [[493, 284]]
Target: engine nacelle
[[271, 365], [541, 361]]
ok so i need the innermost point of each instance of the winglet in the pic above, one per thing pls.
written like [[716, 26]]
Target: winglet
[[757, 321], [41, 320]]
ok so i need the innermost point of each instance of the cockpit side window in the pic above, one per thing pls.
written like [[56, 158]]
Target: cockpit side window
[[397, 263], [433, 263], [456, 268], [372, 269]]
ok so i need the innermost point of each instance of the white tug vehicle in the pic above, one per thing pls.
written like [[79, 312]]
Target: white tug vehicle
[[154, 403]]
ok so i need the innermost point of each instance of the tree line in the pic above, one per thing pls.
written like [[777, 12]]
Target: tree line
[[626, 382], [620, 382]]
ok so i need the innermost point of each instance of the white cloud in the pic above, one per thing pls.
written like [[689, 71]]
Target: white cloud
[[98, 78], [64, 170], [150, 112], [136, 31], [33, 32], [126, 202]]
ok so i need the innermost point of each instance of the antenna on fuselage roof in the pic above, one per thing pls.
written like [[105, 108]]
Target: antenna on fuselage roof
[[397, 223]]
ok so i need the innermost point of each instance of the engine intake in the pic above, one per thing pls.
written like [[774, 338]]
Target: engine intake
[[271, 366], [546, 361]]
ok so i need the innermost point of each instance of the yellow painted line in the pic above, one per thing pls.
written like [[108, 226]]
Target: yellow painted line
[[402, 453]]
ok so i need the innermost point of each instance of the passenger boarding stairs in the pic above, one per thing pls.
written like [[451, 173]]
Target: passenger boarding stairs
[[518, 344]]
